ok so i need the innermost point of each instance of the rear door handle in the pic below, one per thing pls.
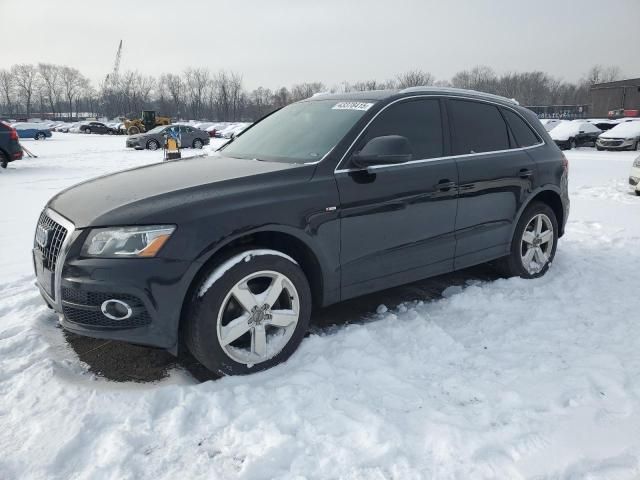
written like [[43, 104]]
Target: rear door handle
[[525, 173], [445, 185]]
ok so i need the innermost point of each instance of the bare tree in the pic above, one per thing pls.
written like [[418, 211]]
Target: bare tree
[[176, 88], [414, 78], [25, 77], [72, 84], [600, 74], [281, 97], [196, 80], [51, 84], [7, 89], [306, 90]]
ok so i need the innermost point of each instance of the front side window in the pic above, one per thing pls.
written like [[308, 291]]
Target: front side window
[[417, 120], [478, 128], [522, 132], [299, 133]]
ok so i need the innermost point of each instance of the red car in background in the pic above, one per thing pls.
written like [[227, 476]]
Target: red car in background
[[10, 148]]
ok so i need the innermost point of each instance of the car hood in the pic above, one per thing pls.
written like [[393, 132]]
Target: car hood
[[137, 136], [142, 194]]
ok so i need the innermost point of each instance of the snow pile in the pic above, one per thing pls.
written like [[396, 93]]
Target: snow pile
[[503, 379]]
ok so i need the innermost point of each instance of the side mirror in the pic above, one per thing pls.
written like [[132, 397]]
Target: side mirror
[[382, 151]]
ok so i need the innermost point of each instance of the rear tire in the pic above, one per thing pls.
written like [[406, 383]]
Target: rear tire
[[4, 160], [197, 143], [572, 144], [244, 290], [87, 130], [531, 255], [133, 130], [40, 136]]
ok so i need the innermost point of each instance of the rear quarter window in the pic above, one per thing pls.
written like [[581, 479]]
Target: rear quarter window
[[523, 134], [478, 127]]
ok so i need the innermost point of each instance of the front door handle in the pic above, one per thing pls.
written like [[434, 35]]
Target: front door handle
[[525, 173], [445, 185]]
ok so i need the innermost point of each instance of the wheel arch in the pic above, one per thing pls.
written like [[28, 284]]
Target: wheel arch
[[550, 195], [280, 239]]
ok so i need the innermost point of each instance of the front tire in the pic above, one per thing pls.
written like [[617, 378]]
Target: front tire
[[572, 144], [252, 317], [534, 243], [87, 130], [153, 145], [40, 136]]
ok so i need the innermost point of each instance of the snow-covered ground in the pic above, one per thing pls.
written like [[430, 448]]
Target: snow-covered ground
[[504, 379]]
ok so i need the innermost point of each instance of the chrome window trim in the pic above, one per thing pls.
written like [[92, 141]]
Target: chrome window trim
[[412, 162], [64, 249]]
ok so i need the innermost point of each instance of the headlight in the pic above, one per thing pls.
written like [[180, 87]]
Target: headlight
[[126, 242], [636, 163]]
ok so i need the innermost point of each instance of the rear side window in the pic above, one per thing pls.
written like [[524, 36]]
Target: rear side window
[[478, 127], [522, 132], [417, 120]]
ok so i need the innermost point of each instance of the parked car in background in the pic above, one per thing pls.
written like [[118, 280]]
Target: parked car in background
[[234, 130], [98, 127], [603, 124], [75, 127], [10, 148], [634, 177], [190, 137], [230, 256], [624, 136], [550, 123], [37, 131], [577, 133]]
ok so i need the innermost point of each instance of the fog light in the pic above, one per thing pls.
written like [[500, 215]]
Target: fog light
[[116, 309]]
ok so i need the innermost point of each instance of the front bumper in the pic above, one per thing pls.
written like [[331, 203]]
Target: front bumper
[[154, 288], [614, 143], [133, 144]]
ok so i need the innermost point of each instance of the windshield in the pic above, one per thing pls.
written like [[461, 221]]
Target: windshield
[[299, 133]]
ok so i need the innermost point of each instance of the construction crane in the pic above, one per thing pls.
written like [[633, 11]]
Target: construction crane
[[112, 78]]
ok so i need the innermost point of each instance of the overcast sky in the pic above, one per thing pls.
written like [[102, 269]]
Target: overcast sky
[[282, 42]]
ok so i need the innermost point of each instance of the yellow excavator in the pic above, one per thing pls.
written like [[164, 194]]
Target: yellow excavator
[[148, 121]]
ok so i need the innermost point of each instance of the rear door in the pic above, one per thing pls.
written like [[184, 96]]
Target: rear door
[[397, 220], [495, 175], [187, 136]]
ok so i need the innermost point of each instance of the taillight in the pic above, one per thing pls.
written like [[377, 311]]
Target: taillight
[[13, 134], [565, 163]]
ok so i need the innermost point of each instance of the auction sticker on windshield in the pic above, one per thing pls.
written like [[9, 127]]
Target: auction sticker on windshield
[[352, 106]]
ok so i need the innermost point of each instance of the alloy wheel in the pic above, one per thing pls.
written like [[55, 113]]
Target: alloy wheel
[[537, 243], [258, 317]]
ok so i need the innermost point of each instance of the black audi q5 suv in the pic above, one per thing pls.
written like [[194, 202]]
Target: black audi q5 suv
[[323, 200]]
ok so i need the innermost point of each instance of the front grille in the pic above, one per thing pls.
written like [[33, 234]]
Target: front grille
[[57, 235], [611, 143], [93, 316]]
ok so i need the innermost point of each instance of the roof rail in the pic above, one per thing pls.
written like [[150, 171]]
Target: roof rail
[[460, 91]]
